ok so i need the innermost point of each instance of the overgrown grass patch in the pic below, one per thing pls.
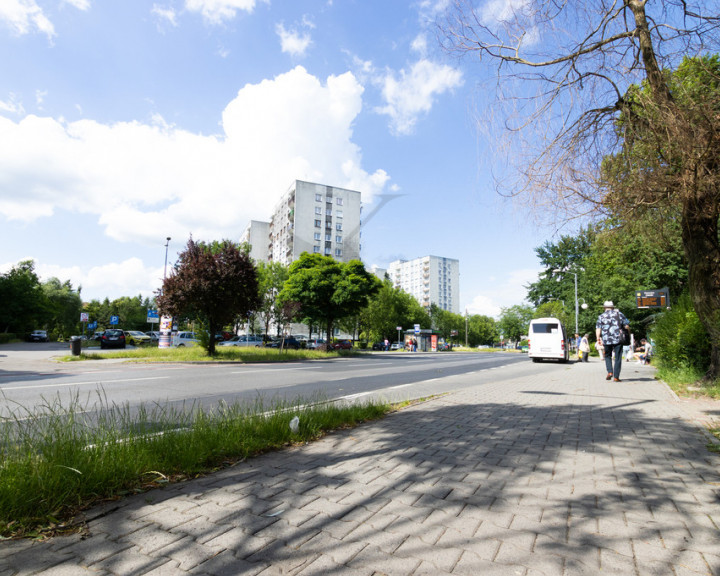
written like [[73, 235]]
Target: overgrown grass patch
[[687, 381], [58, 460], [198, 354]]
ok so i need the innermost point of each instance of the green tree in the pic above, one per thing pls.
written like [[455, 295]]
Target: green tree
[[514, 321], [389, 308], [23, 304], [328, 290], [445, 322], [482, 330], [211, 283], [63, 306], [612, 131], [271, 279], [668, 161]]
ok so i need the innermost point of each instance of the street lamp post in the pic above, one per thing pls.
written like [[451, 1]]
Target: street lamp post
[[165, 321], [166, 254]]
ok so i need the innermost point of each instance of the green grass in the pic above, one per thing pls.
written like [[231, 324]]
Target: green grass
[[686, 381], [58, 460], [198, 354]]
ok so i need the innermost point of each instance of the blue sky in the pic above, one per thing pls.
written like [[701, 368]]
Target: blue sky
[[123, 123]]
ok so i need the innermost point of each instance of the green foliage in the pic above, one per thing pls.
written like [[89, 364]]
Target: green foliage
[[23, 301], [389, 308], [328, 290], [680, 339], [63, 305], [481, 330], [211, 283], [271, 279], [514, 322]]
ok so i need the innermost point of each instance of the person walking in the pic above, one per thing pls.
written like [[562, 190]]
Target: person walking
[[584, 348], [609, 329]]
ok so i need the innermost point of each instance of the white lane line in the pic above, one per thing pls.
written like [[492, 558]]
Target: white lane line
[[400, 386], [353, 396], [272, 370], [94, 383]]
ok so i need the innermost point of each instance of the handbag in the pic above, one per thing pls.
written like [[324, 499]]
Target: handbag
[[625, 335]]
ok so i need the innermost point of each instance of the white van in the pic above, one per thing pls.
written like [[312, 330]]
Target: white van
[[547, 340]]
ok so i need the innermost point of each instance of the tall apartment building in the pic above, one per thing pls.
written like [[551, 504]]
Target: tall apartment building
[[312, 218], [430, 280]]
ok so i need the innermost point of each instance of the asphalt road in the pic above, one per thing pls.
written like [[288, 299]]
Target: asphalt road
[[30, 379]]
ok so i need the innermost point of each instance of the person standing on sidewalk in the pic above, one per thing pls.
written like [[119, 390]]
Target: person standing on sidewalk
[[609, 329]]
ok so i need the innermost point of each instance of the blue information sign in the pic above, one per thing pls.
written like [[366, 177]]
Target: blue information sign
[[114, 320]]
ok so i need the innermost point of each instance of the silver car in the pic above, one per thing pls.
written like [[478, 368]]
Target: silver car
[[244, 340]]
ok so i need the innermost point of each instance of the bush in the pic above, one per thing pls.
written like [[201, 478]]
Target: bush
[[6, 337], [680, 339]]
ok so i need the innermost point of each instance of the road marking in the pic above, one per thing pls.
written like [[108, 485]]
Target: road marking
[[95, 383], [353, 396]]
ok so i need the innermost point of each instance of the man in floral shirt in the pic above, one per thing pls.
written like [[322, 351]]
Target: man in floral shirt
[[608, 330]]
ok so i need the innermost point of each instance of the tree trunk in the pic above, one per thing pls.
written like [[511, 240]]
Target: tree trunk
[[702, 251]]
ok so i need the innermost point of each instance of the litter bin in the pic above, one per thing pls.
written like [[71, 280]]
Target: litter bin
[[76, 345]]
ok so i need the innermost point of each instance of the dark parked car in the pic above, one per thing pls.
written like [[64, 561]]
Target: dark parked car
[[288, 342], [343, 345], [112, 339], [38, 336]]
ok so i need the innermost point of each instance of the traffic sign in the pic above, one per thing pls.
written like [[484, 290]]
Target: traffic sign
[[114, 320], [84, 316]]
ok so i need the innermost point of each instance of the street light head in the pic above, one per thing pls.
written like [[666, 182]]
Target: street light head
[[584, 306]]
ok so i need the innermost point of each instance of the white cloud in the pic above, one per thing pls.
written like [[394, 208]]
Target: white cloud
[[410, 94], [166, 14], [25, 16], [135, 176], [12, 106], [217, 11], [419, 45], [497, 294], [127, 278], [79, 4], [293, 42]]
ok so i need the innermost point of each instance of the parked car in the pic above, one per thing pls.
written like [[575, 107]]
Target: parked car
[[154, 336], [287, 342], [136, 338], [343, 345], [378, 346], [315, 343], [244, 340], [184, 339], [112, 338], [38, 336], [397, 346]]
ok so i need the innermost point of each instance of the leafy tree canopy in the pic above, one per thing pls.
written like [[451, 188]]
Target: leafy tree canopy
[[328, 290], [211, 283]]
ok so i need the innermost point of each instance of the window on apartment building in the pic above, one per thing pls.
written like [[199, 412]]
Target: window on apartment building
[[338, 226], [318, 210], [317, 235], [328, 251], [338, 252], [328, 212], [338, 239], [318, 223], [328, 237], [339, 201], [316, 249], [338, 213], [318, 197]]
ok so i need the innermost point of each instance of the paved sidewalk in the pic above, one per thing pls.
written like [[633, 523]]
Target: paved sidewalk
[[561, 473]]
